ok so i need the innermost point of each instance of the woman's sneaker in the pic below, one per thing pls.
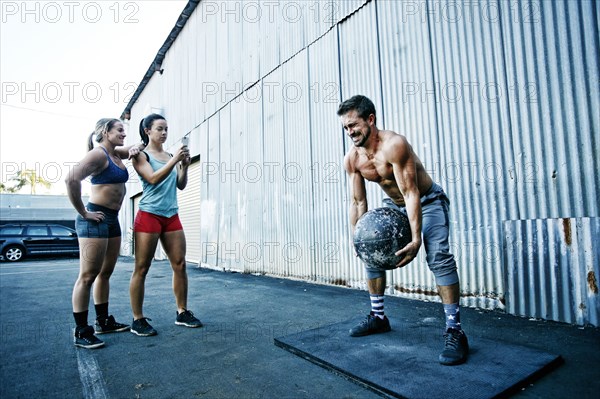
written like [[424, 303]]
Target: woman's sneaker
[[109, 325], [142, 328], [85, 338], [187, 318]]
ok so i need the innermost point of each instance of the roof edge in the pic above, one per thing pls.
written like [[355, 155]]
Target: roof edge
[[160, 56]]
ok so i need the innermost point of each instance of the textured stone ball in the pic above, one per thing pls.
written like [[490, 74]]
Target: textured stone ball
[[379, 234]]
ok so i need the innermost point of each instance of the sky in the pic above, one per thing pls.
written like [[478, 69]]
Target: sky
[[63, 66]]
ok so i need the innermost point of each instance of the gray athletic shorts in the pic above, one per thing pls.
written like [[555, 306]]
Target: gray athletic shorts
[[107, 228], [435, 229]]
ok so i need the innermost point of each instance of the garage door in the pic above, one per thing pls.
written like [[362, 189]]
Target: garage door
[[189, 212]]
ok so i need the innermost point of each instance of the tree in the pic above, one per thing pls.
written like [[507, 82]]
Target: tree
[[23, 178]]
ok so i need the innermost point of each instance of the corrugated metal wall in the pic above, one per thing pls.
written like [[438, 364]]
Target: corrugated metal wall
[[499, 99], [552, 269]]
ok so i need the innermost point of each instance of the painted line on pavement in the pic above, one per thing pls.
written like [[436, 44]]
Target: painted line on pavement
[[35, 271], [93, 383]]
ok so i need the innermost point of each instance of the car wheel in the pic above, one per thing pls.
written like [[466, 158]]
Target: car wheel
[[13, 253]]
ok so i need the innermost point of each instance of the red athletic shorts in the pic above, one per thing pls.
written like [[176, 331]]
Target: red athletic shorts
[[146, 222]]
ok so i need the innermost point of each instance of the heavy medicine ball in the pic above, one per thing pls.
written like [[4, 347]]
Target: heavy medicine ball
[[379, 234]]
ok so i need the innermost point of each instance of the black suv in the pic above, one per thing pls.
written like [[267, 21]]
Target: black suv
[[20, 240]]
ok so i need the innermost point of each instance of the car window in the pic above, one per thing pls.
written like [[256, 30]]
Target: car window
[[37, 231], [11, 230], [60, 231]]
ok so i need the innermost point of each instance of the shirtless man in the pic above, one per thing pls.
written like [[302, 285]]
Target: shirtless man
[[386, 158]]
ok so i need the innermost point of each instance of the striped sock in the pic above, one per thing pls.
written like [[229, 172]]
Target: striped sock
[[377, 305], [452, 312]]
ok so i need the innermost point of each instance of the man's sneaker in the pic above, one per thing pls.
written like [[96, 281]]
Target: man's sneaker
[[187, 318], [371, 325], [456, 347], [85, 338], [109, 325], [142, 328]]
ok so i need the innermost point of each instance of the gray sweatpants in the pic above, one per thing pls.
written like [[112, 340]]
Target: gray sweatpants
[[435, 229]]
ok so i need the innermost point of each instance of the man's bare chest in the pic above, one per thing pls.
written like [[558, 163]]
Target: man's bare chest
[[376, 171]]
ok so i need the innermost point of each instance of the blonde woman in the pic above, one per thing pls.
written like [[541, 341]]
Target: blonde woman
[[97, 226]]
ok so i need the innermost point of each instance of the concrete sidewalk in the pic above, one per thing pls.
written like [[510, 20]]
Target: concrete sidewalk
[[233, 356]]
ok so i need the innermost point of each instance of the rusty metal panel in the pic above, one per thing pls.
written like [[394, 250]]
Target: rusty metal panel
[[551, 269]]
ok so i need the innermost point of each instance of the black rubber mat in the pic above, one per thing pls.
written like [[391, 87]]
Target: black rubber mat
[[403, 363]]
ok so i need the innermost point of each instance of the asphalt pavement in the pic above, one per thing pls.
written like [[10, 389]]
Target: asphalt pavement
[[233, 355]]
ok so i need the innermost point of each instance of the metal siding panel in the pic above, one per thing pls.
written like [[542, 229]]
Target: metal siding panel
[[196, 70], [235, 61], [317, 17], [548, 49], [336, 11], [590, 259], [407, 77], [359, 57], [200, 67], [268, 44], [274, 174], [470, 115], [291, 15], [250, 53], [170, 81], [360, 73], [228, 173], [212, 87], [206, 208], [298, 201], [233, 175], [551, 269], [210, 217], [332, 237], [252, 120]]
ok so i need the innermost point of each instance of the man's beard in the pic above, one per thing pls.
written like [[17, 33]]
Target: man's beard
[[365, 138]]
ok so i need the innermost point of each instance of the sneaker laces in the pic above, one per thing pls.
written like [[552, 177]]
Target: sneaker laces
[[143, 321], [109, 320], [452, 340], [187, 314]]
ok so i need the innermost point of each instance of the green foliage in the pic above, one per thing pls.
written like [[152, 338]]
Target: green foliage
[[23, 178]]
